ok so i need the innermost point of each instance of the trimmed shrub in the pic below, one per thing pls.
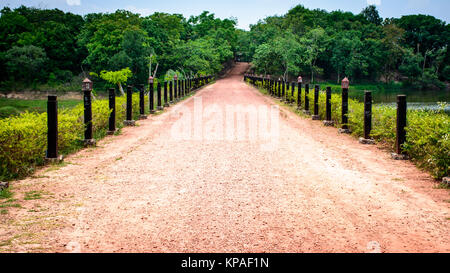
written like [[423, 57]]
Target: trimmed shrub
[[427, 140], [23, 138]]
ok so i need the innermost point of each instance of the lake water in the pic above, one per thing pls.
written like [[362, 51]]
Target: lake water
[[417, 99]]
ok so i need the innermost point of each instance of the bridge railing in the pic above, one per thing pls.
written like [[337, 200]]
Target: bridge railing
[[286, 92], [170, 91]]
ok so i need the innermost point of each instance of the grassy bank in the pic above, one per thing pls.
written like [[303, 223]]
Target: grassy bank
[[428, 132], [23, 138], [10, 107]]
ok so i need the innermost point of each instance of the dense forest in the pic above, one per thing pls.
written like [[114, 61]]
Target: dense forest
[[52, 48], [363, 47]]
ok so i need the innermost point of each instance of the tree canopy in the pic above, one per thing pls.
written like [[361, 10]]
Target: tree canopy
[[50, 46]]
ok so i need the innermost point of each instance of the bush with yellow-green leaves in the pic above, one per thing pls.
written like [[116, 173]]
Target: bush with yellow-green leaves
[[23, 138], [428, 132]]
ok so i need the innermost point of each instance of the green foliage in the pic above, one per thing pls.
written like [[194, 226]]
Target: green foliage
[[21, 62], [428, 132], [363, 47], [428, 140], [23, 138], [7, 111], [116, 77], [52, 31], [9, 107]]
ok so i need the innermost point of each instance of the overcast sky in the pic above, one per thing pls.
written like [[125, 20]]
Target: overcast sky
[[246, 11]]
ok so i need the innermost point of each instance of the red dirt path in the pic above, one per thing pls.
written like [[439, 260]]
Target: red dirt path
[[143, 191]]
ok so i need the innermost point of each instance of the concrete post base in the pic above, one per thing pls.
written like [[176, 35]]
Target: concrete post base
[[446, 180], [89, 142], [166, 105], [110, 133], [366, 141], [306, 112], [328, 123], [315, 117], [57, 160], [344, 131], [129, 123], [142, 117], [4, 185], [160, 108], [396, 156]]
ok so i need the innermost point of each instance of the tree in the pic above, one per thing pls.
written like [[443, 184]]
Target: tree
[[117, 77], [371, 14], [103, 36], [392, 44], [23, 62], [314, 43]]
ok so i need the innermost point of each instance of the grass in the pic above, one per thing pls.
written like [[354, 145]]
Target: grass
[[10, 107], [427, 131], [442, 186], [6, 194], [33, 195]]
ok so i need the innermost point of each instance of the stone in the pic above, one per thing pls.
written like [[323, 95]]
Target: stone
[[306, 112], [446, 180], [89, 142], [57, 160], [314, 117], [366, 141], [396, 156], [4, 185], [160, 108], [142, 117], [129, 123], [344, 131], [328, 123]]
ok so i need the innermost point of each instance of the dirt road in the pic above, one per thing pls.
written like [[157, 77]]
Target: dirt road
[[147, 191]]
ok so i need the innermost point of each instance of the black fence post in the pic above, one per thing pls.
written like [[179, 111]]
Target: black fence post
[[179, 90], [307, 99], [151, 95], [129, 121], [292, 99], [159, 97], [52, 127], [367, 119], [112, 108], [345, 129], [316, 103], [182, 88], [401, 125], [283, 88], [87, 116], [142, 102], [175, 87], [279, 88], [166, 100], [328, 121], [171, 91], [299, 96]]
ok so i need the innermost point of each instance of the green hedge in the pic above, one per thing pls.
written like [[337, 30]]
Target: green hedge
[[428, 132], [23, 138]]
